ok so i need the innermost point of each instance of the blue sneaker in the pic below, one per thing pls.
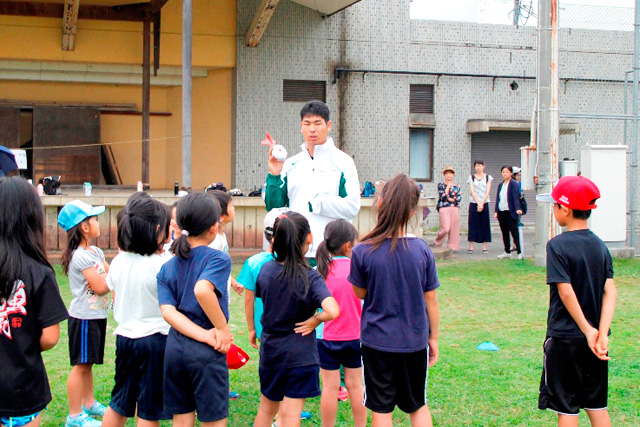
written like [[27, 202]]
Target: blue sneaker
[[95, 410], [82, 420], [305, 415]]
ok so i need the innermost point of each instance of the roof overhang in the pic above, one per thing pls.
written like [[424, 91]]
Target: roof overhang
[[326, 7], [487, 125]]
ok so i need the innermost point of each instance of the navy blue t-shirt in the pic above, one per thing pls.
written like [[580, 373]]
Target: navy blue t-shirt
[[177, 279], [394, 315], [581, 259], [280, 346]]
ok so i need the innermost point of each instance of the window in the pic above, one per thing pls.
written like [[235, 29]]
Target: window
[[421, 99], [421, 154], [304, 90]]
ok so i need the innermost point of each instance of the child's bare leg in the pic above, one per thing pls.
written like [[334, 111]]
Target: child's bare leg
[[184, 420], [567, 420], [381, 420], [145, 423], [266, 412], [87, 388], [113, 419], [353, 382], [219, 423], [35, 422], [75, 387], [421, 417], [599, 417], [290, 411], [329, 398]]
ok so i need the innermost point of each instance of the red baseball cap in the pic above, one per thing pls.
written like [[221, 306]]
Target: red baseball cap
[[574, 192], [236, 357]]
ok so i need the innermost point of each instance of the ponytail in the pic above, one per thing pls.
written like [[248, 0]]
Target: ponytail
[[289, 236], [195, 214], [74, 238], [399, 199], [143, 227], [336, 234]]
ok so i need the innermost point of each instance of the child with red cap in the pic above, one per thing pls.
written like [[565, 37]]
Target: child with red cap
[[582, 302]]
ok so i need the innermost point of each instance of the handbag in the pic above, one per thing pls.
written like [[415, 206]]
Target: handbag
[[523, 204]]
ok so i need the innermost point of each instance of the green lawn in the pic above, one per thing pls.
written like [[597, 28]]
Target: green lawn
[[504, 302]]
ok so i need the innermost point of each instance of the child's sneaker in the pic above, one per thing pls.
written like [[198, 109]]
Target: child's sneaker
[[305, 415], [82, 420], [96, 410], [234, 395]]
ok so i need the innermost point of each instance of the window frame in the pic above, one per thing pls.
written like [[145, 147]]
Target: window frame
[[431, 131]]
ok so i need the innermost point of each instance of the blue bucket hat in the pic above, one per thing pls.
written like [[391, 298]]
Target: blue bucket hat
[[73, 213]]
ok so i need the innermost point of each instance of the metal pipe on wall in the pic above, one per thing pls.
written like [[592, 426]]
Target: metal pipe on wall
[[187, 36], [633, 203]]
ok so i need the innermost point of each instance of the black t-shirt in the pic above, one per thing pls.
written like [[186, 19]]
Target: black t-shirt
[[34, 305], [280, 346], [582, 259]]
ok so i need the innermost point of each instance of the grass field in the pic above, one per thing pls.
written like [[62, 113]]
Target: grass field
[[504, 302]]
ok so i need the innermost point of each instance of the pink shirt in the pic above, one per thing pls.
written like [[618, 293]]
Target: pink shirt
[[347, 326]]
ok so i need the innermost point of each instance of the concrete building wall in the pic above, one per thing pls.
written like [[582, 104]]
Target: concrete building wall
[[371, 111]]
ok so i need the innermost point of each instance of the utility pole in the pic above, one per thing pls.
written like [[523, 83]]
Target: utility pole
[[516, 12], [548, 123], [187, 36]]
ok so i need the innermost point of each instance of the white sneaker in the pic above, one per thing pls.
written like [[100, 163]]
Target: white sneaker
[[503, 255]]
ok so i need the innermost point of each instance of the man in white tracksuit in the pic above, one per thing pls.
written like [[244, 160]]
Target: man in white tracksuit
[[321, 182]]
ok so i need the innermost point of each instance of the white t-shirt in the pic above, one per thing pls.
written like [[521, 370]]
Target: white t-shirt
[[503, 204], [133, 278], [480, 187], [222, 244]]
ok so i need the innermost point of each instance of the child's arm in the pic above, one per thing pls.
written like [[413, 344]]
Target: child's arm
[[433, 313], [330, 310], [236, 286], [249, 311], [606, 316], [50, 336], [204, 291], [186, 327], [360, 292], [570, 301], [96, 281]]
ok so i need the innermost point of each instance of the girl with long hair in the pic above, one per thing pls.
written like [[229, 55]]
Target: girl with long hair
[[394, 273], [31, 308], [192, 293], [291, 292], [87, 269], [340, 343]]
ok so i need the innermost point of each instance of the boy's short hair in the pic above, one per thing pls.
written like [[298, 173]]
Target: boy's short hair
[[581, 214], [223, 199], [315, 108]]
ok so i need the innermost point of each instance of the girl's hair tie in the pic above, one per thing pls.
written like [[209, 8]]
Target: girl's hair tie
[[185, 233], [283, 215]]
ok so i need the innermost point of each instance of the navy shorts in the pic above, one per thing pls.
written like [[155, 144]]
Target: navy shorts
[[139, 365], [295, 383], [196, 378], [86, 340], [392, 379], [573, 378], [336, 353]]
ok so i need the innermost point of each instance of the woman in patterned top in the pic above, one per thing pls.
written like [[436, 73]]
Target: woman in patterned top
[[449, 209]]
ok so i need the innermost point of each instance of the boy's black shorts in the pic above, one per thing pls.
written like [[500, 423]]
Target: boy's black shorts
[[86, 340], [573, 378], [392, 379], [334, 354]]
